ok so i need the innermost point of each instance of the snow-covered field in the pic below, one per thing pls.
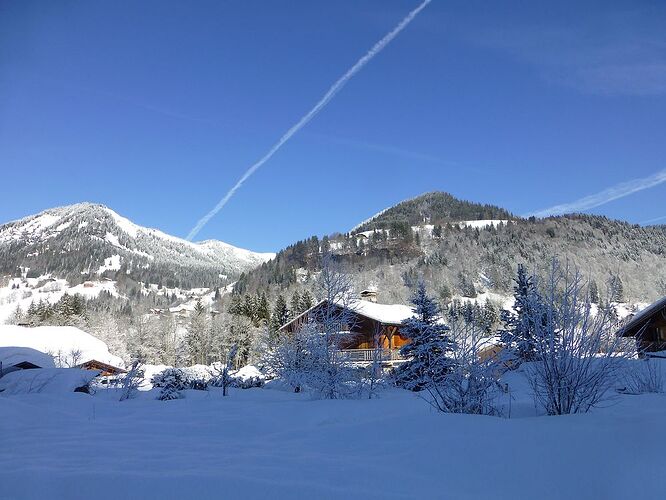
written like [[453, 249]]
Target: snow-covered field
[[266, 443]]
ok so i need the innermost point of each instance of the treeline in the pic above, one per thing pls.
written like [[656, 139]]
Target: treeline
[[257, 309]]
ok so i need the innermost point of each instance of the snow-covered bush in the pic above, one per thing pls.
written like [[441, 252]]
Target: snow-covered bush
[[169, 392], [247, 377], [471, 384], [171, 381], [198, 384], [131, 381], [288, 359], [180, 379], [644, 376], [574, 369]]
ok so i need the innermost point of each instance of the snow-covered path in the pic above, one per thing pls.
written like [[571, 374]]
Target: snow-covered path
[[269, 444]]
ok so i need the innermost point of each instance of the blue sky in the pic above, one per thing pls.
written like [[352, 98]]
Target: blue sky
[[156, 108]]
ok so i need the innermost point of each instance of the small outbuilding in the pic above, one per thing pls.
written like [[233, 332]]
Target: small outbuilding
[[648, 327]]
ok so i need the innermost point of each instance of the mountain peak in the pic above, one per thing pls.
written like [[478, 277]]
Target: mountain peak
[[434, 207]]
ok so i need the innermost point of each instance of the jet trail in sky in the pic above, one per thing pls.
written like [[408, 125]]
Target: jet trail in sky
[[335, 88], [601, 198]]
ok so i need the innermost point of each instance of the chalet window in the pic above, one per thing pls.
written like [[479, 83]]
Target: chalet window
[[661, 333]]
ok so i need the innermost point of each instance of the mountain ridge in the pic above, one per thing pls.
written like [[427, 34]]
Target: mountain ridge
[[79, 239]]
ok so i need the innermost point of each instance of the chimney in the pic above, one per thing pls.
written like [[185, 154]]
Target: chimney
[[369, 294]]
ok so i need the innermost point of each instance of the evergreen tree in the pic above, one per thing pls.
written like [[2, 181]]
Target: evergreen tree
[[250, 307], [594, 292], [199, 308], [306, 302], [296, 303], [490, 317], [197, 335], [519, 335], [615, 288], [236, 305], [263, 310], [325, 245], [427, 352], [280, 314], [467, 288]]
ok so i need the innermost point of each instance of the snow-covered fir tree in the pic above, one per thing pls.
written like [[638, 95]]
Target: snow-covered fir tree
[[428, 351], [520, 333]]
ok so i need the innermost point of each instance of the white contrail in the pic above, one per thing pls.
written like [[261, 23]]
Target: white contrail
[[601, 198], [335, 88]]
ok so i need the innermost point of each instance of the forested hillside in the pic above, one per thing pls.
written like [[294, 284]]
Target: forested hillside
[[463, 248]]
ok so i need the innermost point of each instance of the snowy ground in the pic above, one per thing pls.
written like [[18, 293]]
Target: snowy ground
[[263, 443]]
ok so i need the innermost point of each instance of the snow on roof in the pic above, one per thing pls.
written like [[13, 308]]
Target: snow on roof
[[47, 380], [386, 313], [59, 339], [10, 356], [643, 315], [392, 314]]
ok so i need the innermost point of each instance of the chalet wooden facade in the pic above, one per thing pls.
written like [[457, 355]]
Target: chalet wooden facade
[[106, 369], [648, 327], [370, 325]]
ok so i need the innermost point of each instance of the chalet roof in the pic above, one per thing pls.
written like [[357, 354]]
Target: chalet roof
[[14, 356], [93, 364], [388, 314], [391, 314], [638, 320]]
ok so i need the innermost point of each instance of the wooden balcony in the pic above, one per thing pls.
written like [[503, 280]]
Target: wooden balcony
[[367, 356]]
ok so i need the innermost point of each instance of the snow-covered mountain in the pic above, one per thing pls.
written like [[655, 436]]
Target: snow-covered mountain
[[92, 240]]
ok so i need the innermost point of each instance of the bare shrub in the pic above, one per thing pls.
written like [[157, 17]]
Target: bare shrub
[[643, 376], [575, 367], [472, 384]]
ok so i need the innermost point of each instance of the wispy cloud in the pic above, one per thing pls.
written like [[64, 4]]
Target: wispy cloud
[[607, 195], [80, 89], [656, 219], [383, 148], [613, 51], [321, 104]]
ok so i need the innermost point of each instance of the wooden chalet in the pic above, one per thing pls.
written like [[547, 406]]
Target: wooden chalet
[[106, 369], [371, 325], [648, 327]]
